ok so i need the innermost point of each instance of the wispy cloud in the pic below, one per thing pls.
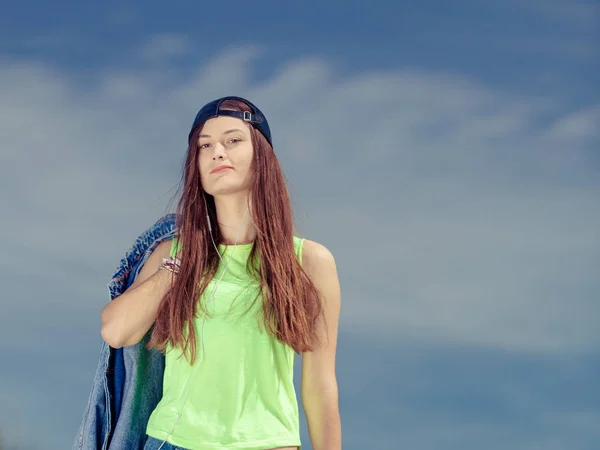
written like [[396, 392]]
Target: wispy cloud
[[467, 203], [458, 213], [165, 46], [583, 14]]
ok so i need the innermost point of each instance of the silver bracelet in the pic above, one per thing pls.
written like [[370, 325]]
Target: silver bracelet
[[168, 269]]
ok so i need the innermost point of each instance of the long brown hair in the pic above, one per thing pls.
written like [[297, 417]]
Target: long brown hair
[[291, 302]]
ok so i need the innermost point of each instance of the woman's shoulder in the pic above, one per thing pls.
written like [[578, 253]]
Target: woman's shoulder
[[316, 256]]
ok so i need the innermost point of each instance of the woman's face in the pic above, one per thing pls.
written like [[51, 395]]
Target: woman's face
[[226, 152]]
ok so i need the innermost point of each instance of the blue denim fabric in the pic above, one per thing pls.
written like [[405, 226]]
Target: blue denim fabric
[[155, 444], [128, 381]]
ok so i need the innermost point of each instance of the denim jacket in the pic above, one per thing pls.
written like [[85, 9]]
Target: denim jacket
[[128, 381]]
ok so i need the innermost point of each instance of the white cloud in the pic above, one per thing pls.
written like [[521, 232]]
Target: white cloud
[[581, 124], [454, 211]]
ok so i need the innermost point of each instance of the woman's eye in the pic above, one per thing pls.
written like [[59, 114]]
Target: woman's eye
[[203, 146], [234, 140]]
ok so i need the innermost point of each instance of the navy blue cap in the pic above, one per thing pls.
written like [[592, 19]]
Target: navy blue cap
[[254, 116]]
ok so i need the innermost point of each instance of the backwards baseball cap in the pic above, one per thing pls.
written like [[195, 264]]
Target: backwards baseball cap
[[254, 116]]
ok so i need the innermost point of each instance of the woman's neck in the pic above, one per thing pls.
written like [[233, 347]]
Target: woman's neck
[[234, 220]]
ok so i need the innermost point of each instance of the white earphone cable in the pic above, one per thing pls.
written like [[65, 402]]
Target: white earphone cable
[[202, 349]]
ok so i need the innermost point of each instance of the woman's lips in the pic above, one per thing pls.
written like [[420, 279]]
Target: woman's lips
[[221, 169]]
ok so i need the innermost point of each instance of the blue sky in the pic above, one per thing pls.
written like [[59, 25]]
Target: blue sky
[[447, 153]]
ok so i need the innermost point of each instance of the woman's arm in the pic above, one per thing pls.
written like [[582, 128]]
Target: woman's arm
[[319, 383], [127, 318]]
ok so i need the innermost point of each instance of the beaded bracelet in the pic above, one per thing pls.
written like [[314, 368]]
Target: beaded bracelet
[[170, 265], [173, 260], [168, 269]]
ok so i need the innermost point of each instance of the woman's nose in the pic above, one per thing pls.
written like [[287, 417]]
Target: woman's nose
[[219, 151]]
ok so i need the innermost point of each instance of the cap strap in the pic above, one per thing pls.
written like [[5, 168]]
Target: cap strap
[[246, 115]]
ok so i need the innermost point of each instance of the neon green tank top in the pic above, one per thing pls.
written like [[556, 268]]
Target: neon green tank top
[[242, 395]]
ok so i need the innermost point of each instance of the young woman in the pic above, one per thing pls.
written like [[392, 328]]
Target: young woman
[[232, 298]]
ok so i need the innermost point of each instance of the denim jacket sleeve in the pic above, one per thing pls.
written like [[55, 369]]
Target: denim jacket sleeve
[[127, 385]]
